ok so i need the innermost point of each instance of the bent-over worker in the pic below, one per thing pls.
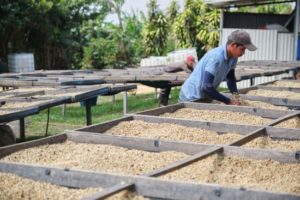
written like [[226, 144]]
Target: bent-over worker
[[214, 67]]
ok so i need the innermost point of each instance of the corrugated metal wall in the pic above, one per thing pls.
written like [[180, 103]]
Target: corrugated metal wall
[[285, 50], [271, 45]]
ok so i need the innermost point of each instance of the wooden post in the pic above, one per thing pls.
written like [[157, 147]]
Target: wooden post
[[22, 129], [252, 82], [63, 109], [113, 96], [125, 102], [88, 109]]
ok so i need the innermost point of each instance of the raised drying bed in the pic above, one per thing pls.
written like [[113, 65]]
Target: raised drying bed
[[62, 158], [224, 114], [279, 96], [242, 172], [17, 187], [82, 179]]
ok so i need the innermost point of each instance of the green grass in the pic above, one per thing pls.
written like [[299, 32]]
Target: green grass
[[105, 110], [75, 117]]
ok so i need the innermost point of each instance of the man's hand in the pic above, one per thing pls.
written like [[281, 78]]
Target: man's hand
[[237, 98], [236, 103]]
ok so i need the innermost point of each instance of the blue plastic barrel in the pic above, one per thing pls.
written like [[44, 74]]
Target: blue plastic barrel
[[21, 62]]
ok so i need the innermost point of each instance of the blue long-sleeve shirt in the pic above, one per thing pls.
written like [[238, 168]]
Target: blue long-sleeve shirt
[[210, 91], [217, 64]]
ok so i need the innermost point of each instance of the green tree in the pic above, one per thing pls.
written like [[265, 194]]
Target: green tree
[[134, 23], [116, 7], [275, 8], [155, 32], [102, 49], [197, 26], [172, 13], [48, 28]]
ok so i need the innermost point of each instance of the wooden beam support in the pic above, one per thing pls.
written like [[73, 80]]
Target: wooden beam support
[[284, 118], [24, 145], [278, 88], [22, 129], [110, 191], [274, 101], [273, 132], [262, 130], [146, 186], [190, 148], [186, 161], [266, 113], [88, 112]]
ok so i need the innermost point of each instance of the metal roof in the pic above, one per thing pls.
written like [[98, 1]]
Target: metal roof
[[237, 3]]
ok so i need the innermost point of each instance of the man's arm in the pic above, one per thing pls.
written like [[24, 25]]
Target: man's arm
[[208, 88], [231, 81]]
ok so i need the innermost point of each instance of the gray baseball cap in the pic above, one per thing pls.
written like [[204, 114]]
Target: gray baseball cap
[[242, 37]]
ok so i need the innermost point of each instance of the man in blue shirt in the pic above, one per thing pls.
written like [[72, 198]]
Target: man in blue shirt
[[214, 67]]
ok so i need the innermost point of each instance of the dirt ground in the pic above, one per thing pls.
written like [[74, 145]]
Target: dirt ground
[[143, 89]]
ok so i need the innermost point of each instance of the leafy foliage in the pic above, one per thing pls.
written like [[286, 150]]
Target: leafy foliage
[[197, 26], [279, 8], [66, 34], [104, 48], [172, 14], [48, 28], [156, 30]]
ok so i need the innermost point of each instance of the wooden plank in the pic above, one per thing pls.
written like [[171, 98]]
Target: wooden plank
[[83, 82], [54, 102], [245, 90], [190, 148], [158, 111], [20, 94], [15, 83], [274, 132], [117, 89], [283, 133], [152, 145], [284, 118], [261, 154], [186, 161], [267, 113], [272, 100], [100, 128], [110, 191], [163, 77], [89, 94], [146, 186], [48, 102], [16, 147], [17, 114], [247, 138], [44, 83], [209, 125], [203, 154], [262, 131], [279, 88], [120, 79]]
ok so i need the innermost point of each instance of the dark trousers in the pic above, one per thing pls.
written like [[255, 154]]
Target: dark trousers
[[164, 96]]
